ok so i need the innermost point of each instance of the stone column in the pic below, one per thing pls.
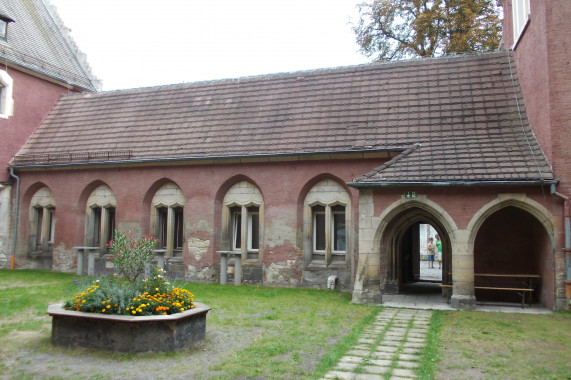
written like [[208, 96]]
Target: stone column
[[170, 233], [104, 226], [462, 272], [46, 226]]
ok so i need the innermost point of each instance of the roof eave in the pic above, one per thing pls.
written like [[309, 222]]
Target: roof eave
[[452, 183], [174, 160]]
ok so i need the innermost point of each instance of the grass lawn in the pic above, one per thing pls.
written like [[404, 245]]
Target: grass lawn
[[256, 332]]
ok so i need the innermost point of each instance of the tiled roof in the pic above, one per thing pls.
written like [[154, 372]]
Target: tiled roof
[[38, 41], [466, 112]]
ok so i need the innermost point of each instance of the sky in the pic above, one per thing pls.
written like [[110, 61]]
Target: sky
[[140, 43]]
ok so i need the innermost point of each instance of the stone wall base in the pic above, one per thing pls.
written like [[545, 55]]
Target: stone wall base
[[367, 297], [128, 333], [463, 302]]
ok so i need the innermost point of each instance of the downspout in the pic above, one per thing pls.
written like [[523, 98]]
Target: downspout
[[16, 207]]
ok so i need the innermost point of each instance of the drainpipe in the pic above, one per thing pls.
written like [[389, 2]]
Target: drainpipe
[[15, 233]]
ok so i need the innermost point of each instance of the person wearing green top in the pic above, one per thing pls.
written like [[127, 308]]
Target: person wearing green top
[[439, 253]]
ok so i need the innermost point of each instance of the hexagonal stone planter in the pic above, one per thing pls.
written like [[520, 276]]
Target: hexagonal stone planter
[[128, 333]]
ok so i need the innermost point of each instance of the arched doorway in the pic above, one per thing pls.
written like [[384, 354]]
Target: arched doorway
[[511, 241], [402, 243]]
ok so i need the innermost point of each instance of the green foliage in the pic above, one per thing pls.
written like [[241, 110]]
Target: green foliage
[[505, 345], [431, 352], [116, 295], [397, 29], [130, 257]]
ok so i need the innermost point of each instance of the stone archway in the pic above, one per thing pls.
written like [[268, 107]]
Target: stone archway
[[380, 242], [399, 259], [513, 235]]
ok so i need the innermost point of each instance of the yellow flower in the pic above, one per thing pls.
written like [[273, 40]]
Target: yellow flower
[[134, 312], [108, 306], [82, 301], [102, 302]]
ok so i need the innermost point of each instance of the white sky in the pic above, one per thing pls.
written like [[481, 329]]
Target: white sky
[[138, 43]]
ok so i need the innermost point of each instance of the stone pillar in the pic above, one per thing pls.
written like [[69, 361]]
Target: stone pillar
[[46, 226], [237, 270], [79, 262], [462, 272], [223, 268], [90, 262], [104, 226], [170, 232], [367, 277]]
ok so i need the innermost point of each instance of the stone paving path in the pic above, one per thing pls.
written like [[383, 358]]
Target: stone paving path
[[388, 349]]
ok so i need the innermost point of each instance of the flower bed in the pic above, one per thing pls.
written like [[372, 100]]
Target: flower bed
[[127, 312], [127, 333]]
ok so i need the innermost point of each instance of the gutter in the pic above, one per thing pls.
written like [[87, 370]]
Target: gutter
[[364, 185], [15, 233]]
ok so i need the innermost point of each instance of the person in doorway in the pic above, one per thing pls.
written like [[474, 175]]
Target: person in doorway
[[431, 250], [438, 251]]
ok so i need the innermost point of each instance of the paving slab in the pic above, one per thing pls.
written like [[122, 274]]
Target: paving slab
[[397, 356]]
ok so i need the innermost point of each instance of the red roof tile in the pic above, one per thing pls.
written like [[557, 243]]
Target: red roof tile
[[466, 112]]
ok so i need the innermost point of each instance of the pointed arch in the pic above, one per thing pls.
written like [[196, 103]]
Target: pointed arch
[[520, 201], [395, 233], [437, 213]]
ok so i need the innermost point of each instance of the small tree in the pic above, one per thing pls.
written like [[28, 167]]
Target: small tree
[[130, 257], [396, 29]]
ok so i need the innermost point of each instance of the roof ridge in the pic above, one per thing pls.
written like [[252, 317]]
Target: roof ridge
[[79, 56], [315, 71]]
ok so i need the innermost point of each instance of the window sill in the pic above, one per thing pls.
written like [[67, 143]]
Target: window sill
[[321, 265]]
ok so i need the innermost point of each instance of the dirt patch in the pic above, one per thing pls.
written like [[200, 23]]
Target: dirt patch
[[39, 359]]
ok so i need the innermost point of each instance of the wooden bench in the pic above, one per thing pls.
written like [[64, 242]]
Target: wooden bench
[[527, 286]]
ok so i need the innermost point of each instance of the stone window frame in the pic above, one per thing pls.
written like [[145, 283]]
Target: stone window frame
[[6, 91], [246, 200], [326, 195], [521, 10], [100, 218], [170, 197], [42, 222]]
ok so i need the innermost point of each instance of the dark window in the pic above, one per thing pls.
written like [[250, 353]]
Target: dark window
[[319, 228], [253, 228], [3, 29], [163, 222], [236, 228], [178, 227], [339, 232]]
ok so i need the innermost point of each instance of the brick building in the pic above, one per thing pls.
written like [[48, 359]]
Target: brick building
[[323, 172], [38, 63]]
